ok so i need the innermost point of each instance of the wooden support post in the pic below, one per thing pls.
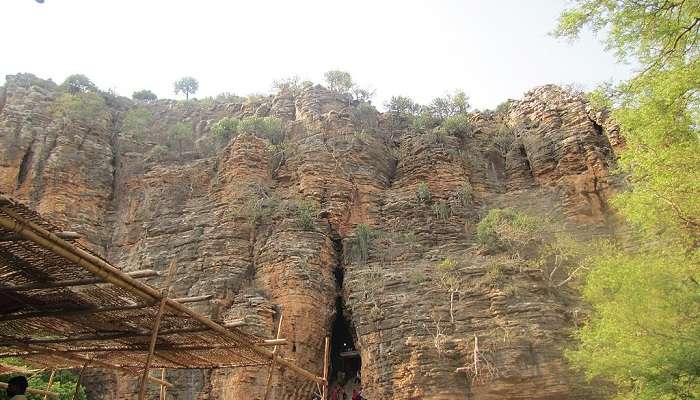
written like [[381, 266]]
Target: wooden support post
[[163, 389], [274, 359], [326, 360], [48, 386], [156, 326], [80, 377]]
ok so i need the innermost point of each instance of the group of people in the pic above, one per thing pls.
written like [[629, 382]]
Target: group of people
[[16, 388]]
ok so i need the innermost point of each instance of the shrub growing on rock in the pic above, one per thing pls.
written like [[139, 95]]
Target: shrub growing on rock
[[457, 125], [225, 128], [270, 128], [145, 95], [442, 211], [86, 109], [423, 193], [306, 214], [361, 242], [466, 194], [505, 229], [137, 121], [180, 133], [425, 122]]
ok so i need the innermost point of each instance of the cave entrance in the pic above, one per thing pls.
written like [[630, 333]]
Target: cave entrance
[[345, 358]]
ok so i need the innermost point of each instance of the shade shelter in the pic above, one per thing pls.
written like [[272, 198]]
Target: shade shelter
[[63, 306]]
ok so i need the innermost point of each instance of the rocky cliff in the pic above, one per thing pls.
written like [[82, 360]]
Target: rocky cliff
[[272, 230]]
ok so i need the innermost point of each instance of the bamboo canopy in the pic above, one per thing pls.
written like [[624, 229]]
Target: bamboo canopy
[[62, 305]]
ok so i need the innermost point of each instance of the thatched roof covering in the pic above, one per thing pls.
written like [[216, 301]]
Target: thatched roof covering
[[61, 305]]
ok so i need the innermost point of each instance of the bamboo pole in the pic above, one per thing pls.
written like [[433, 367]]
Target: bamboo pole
[[156, 327], [39, 314], [132, 335], [163, 389], [80, 377], [274, 359], [81, 282], [48, 386], [326, 356], [102, 269], [38, 392]]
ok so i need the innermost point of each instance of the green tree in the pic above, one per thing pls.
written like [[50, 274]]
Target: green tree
[[449, 105], [187, 85], [144, 94], [225, 129], [78, 83], [457, 125], [138, 121], [339, 81], [270, 128], [180, 133], [402, 105], [644, 328], [87, 109]]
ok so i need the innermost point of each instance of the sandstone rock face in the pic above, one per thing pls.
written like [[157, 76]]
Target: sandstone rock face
[[272, 234]]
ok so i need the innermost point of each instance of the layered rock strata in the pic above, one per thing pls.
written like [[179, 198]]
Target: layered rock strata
[[231, 216]]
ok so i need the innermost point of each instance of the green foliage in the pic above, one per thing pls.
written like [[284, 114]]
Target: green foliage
[[457, 125], [87, 109], [425, 122], [137, 121], [339, 81], [78, 83], [416, 277], [466, 195], [187, 85], [225, 129], [505, 229], [442, 211], [270, 128], [292, 85], [63, 383], [643, 331], [364, 117], [181, 133], [504, 107], [449, 105], [423, 193], [402, 105], [145, 95], [228, 97], [306, 212], [361, 242]]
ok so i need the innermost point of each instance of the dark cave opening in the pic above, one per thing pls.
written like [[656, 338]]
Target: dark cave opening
[[345, 358]]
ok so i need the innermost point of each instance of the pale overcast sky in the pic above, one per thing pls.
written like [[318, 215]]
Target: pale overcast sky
[[493, 49]]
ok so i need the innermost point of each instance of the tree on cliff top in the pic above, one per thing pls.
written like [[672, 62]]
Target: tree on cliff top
[[187, 85], [643, 334], [144, 94], [78, 83], [341, 82]]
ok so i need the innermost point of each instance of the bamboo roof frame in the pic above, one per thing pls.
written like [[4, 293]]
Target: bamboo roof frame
[[107, 317]]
